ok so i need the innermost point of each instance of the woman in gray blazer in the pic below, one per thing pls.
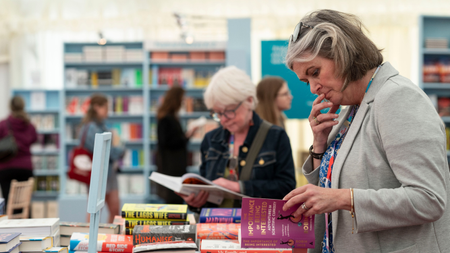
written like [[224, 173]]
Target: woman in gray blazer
[[378, 172]]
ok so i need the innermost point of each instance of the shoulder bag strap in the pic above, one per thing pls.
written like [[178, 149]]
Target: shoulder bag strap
[[254, 150], [83, 137]]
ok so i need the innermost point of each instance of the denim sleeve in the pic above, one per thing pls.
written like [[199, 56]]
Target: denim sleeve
[[116, 152], [284, 180]]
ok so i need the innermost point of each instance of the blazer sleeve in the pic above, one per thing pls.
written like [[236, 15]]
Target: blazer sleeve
[[414, 141], [170, 135]]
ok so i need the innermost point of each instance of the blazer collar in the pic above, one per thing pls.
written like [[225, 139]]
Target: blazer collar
[[386, 71]]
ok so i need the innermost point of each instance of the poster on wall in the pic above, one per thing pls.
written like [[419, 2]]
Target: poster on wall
[[273, 53]]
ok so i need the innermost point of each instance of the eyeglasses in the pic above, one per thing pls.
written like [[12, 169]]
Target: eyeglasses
[[298, 28], [229, 114]]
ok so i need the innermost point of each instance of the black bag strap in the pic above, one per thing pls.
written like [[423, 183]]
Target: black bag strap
[[254, 150]]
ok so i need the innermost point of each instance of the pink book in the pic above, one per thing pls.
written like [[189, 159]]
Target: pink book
[[266, 225]]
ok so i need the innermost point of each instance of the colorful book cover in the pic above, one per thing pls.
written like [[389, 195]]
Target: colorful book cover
[[233, 246], [220, 215], [8, 241], [155, 211], [131, 223], [129, 231], [150, 234], [175, 246], [105, 242], [266, 225], [218, 231]]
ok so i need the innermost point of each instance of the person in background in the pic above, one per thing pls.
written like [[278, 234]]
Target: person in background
[[172, 154], [19, 167], [231, 96], [93, 123], [274, 97], [378, 171]]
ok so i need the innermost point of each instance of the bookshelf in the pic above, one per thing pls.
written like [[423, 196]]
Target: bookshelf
[[42, 107], [434, 64]]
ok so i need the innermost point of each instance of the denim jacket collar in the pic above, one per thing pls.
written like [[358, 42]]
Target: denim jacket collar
[[223, 135]]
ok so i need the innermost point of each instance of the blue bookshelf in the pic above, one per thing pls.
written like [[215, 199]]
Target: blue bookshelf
[[434, 27]]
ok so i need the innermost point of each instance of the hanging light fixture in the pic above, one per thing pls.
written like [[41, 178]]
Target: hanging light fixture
[[102, 41]]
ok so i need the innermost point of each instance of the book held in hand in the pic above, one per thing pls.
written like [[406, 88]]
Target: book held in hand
[[155, 211], [233, 246], [150, 234], [194, 183], [266, 225], [8, 241], [220, 215]]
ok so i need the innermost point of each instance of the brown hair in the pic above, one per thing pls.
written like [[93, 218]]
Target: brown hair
[[96, 100], [267, 93], [172, 102], [17, 107], [339, 37]]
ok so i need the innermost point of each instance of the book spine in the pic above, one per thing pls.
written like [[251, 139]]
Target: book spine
[[245, 251], [128, 231], [106, 246], [140, 238], [219, 219], [132, 223], [154, 215]]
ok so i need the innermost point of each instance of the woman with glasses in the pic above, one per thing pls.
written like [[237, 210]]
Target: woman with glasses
[[274, 97], [231, 96], [378, 169]]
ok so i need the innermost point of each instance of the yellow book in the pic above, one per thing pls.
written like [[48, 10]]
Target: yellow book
[[155, 211], [132, 222], [94, 79]]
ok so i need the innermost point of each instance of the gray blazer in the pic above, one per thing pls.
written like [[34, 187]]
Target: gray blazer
[[395, 158]]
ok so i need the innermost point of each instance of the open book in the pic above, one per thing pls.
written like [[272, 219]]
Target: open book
[[194, 183]]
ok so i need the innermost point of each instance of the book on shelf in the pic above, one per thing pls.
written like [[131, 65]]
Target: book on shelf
[[218, 231], [168, 246], [32, 243], [57, 250], [149, 234], [37, 100], [266, 225], [155, 211], [220, 215], [194, 183], [30, 227], [69, 227], [105, 242], [14, 249], [8, 241], [233, 246]]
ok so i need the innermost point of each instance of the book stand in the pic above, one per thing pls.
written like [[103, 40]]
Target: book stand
[[97, 189]]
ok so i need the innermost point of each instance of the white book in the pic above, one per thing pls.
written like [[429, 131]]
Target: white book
[[30, 227], [37, 100], [57, 249], [32, 243], [216, 193]]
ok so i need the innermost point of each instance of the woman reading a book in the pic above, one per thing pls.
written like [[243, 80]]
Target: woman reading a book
[[378, 172], [93, 123], [172, 154], [274, 97], [225, 151]]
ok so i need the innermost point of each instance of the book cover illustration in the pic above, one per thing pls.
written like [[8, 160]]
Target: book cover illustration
[[105, 242], [218, 231], [131, 222], [155, 211], [8, 241], [150, 234], [220, 215], [266, 225], [233, 246]]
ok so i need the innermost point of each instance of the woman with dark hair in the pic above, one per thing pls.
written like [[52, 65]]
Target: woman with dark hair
[[171, 158], [19, 167], [274, 97], [93, 123]]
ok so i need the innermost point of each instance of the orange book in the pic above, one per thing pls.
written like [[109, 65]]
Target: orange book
[[218, 231]]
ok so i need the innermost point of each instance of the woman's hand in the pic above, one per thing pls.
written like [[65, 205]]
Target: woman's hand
[[322, 123], [191, 132], [317, 200], [198, 200], [230, 185]]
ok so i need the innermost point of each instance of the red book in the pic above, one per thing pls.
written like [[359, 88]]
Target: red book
[[105, 242], [218, 231]]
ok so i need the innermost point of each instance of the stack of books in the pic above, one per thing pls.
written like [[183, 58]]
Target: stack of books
[[79, 242], [154, 214], [9, 242], [33, 228], [439, 43], [67, 228]]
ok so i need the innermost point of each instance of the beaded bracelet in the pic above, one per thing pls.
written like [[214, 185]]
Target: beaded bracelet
[[315, 155]]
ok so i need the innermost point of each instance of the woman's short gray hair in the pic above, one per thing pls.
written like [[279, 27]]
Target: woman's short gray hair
[[339, 37], [229, 86]]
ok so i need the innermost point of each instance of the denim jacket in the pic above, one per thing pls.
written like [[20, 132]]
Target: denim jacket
[[273, 173]]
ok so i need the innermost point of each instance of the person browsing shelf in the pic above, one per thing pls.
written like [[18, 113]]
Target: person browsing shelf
[[93, 123], [378, 171], [18, 167], [231, 96], [274, 97], [171, 158]]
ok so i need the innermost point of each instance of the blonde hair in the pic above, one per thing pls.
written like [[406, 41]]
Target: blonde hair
[[339, 37], [229, 86]]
